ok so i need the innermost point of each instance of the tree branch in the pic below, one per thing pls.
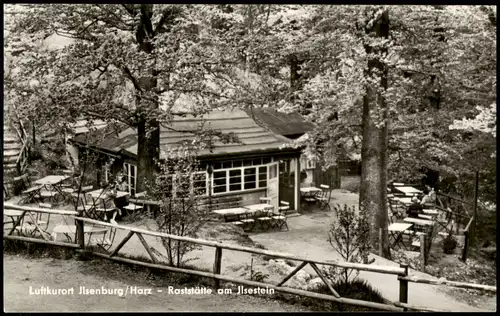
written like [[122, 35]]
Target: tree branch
[[131, 77]]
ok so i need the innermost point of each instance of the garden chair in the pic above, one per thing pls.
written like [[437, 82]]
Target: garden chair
[[265, 219], [105, 240], [248, 221], [325, 196], [30, 193], [233, 219], [132, 208], [280, 218]]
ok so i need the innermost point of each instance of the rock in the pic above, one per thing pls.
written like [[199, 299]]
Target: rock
[[314, 283]]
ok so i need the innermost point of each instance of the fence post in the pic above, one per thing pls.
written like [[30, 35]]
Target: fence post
[[80, 237], [217, 265], [466, 245], [423, 250], [403, 286]]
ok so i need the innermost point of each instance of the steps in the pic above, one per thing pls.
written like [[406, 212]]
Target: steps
[[12, 146]]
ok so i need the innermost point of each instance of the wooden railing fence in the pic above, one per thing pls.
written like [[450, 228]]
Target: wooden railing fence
[[401, 272]]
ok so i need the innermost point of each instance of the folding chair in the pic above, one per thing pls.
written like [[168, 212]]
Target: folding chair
[[233, 219], [248, 221], [107, 239], [131, 208], [30, 193], [324, 198], [266, 218], [280, 217]]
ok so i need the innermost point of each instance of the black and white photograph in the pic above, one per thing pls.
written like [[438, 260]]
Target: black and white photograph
[[249, 157]]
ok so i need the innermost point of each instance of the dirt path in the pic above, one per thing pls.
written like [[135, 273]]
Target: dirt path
[[21, 273]]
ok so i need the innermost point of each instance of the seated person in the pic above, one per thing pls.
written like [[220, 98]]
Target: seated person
[[430, 196], [415, 208]]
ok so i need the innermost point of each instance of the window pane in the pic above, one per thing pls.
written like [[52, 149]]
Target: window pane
[[266, 160], [250, 185], [132, 170], [217, 165], [235, 187], [234, 176], [227, 164], [247, 162], [236, 163], [220, 189], [262, 177], [250, 178], [220, 179], [257, 161]]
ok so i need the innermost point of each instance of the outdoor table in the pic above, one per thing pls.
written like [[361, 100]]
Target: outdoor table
[[98, 194], [259, 207], [426, 224], [67, 230], [309, 193], [52, 184], [430, 212], [232, 211], [408, 190], [404, 200], [14, 216], [396, 231]]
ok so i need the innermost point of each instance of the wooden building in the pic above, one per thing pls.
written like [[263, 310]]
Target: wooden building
[[249, 168]]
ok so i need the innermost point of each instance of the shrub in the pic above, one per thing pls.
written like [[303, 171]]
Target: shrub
[[348, 235]]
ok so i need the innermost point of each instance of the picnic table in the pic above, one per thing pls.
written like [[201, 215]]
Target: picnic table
[[396, 231], [259, 207], [68, 230]]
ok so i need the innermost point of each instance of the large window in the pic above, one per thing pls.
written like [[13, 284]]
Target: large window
[[239, 175], [131, 173]]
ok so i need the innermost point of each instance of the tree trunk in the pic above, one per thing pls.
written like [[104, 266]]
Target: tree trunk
[[147, 152], [373, 188]]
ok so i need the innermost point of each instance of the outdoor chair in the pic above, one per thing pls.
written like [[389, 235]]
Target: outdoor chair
[[398, 208], [248, 221], [131, 208], [30, 193], [233, 219], [265, 219], [325, 196], [265, 200], [279, 218], [106, 240]]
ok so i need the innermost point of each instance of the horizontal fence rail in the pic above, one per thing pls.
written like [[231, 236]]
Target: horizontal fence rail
[[401, 272]]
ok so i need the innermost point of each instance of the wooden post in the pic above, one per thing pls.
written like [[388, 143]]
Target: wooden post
[[297, 185], [476, 192], [380, 236], [80, 237], [403, 286], [217, 265], [423, 250], [466, 245]]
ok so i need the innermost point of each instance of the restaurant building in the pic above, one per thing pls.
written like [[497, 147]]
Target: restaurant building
[[248, 168]]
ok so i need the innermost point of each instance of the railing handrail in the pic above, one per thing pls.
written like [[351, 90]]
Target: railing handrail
[[416, 279], [357, 266]]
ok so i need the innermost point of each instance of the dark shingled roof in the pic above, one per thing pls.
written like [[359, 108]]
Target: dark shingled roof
[[125, 141], [253, 138], [281, 123]]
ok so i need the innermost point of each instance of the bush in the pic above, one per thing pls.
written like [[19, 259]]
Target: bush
[[356, 289]]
